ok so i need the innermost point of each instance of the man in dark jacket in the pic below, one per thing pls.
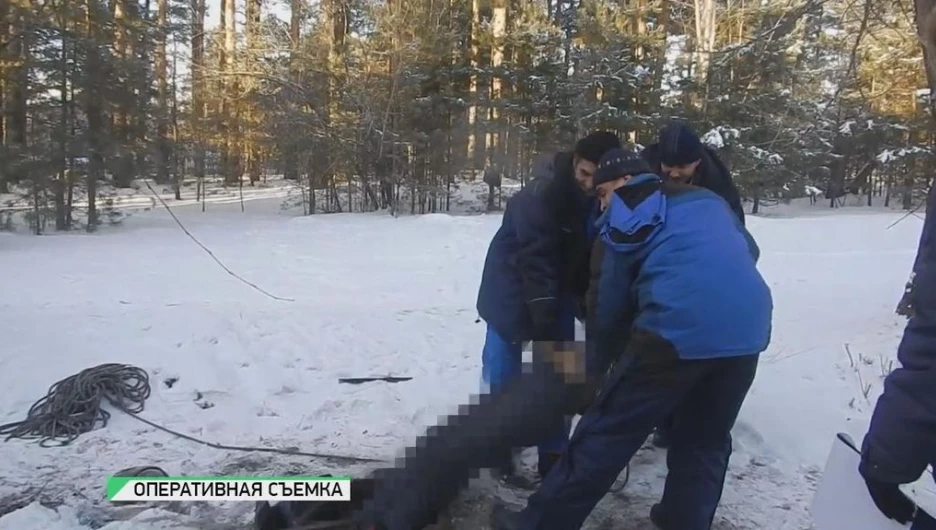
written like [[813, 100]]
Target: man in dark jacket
[[679, 154], [901, 441], [680, 312], [536, 271]]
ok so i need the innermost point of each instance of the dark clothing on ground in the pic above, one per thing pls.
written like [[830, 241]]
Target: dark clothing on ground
[[537, 257], [482, 435], [712, 174], [901, 441]]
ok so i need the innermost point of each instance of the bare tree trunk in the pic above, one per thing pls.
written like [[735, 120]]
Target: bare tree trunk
[[474, 146], [251, 150], [290, 150], [5, 13], [121, 119], [705, 32], [659, 62], [232, 173], [178, 162], [141, 111], [16, 93], [163, 153], [93, 71], [495, 138], [61, 215], [198, 91]]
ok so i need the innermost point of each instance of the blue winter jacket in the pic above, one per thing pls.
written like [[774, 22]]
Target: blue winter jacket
[[539, 255], [712, 174], [675, 274], [901, 441]]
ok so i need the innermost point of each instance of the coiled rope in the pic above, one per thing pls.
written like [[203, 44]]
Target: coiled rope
[[73, 406]]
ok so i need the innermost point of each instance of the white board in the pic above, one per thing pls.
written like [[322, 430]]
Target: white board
[[843, 501]]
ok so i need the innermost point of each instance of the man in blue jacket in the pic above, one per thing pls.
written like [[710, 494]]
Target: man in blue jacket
[[901, 441], [536, 271], [680, 155], [679, 313]]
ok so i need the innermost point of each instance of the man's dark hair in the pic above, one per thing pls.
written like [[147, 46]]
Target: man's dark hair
[[596, 144]]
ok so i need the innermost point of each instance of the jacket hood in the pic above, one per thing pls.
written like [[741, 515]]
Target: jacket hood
[[634, 215]]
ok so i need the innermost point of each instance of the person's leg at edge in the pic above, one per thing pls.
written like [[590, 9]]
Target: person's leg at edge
[[697, 459], [551, 449], [501, 362], [604, 441], [661, 436], [923, 521]]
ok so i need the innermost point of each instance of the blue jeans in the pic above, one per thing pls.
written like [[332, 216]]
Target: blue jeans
[[502, 361]]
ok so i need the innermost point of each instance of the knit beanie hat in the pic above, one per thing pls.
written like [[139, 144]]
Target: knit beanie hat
[[679, 145], [617, 163]]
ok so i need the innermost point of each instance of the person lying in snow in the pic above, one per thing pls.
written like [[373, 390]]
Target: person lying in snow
[[901, 440], [536, 271], [677, 313]]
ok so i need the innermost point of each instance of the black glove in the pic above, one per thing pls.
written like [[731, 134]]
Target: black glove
[[886, 495], [545, 315], [891, 501]]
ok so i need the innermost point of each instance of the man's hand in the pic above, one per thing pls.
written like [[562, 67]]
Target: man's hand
[[891, 501], [886, 495], [567, 359]]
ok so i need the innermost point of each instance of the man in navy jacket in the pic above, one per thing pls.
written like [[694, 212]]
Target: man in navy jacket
[[679, 312], [536, 271], [901, 441]]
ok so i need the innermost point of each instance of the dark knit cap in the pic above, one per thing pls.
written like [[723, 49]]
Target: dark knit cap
[[679, 145], [617, 163]]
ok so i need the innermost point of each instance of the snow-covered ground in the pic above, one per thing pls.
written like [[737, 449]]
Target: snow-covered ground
[[376, 295]]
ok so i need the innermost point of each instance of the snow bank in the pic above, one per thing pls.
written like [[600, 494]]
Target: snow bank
[[37, 516]]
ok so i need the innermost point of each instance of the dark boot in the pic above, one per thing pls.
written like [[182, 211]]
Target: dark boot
[[546, 463], [661, 438], [503, 518], [508, 467], [657, 517]]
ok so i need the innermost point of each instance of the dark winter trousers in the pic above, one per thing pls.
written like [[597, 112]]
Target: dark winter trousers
[[923, 522], [706, 396]]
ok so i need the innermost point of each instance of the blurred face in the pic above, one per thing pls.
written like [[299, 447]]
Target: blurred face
[[605, 190], [584, 170], [682, 173]]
